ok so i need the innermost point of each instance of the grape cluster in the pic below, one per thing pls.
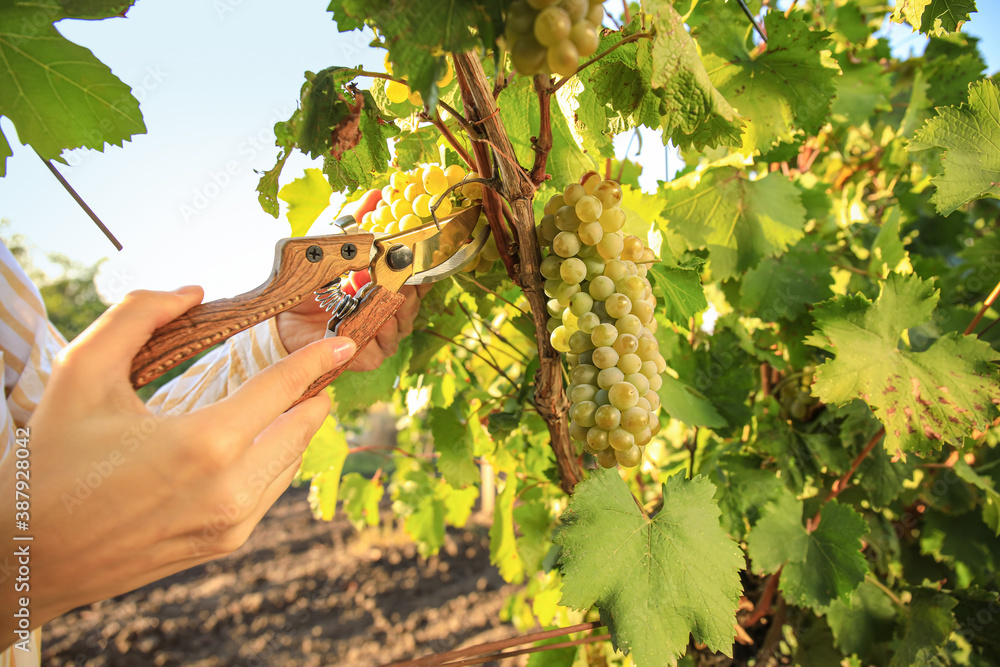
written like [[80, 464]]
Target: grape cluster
[[407, 201], [551, 36], [601, 315], [397, 91]]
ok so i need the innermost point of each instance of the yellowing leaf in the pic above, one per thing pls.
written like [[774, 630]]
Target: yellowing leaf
[[307, 197]]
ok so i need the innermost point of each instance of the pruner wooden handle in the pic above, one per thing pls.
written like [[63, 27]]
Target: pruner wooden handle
[[375, 309], [300, 266]]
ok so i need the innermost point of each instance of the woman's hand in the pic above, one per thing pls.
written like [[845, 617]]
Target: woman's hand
[[122, 497], [307, 322]]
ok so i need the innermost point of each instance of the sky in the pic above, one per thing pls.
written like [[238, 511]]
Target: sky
[[212, 78]]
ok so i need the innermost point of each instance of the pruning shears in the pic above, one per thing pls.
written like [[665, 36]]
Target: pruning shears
[[315, 267]]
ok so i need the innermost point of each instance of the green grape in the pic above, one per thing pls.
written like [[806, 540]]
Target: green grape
[[620, 439], [582, 392], [584, 36], [633, 269], [605, 357], [648, 368], [653, 398], [629, 458], [586, 357], [633, 287], [554, 203], [607, 417], [580, 304], [584, 374], [623, 395], [615, 269], [548, 228], [643, 403], [589, 181], [566, 219], [601, 397], [601, 288], [613, 219], [565, 292], [401, 207], [573, 271], [586, 251], [655, 382], [577, 9], [609, 192], [549, 268], [595, 267], [538, 4], [396, 92], [606, 458], [588, 208], [596, 14], [661, 363], [610, 245], [601, 311], [527, 56], [588, 321], [608, 378], [569, 319], [635, 419], [618, 305], [560, 339], [552, 26], [550, 286], [577, 432], [579, 342], [412, 190], [654, 424], [604, 335], [572, 194], [629, 363], [591, 234], [629, 324], [566, 244], [639, 381], [552, 323], [648, 349], [643, 437], [642, 309], [434, 180], [583, 413], [626, 344], [633, 249], [490, 251], [422, 205], [597, 438]]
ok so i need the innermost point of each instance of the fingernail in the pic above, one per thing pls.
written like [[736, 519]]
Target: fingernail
[[343, 348]]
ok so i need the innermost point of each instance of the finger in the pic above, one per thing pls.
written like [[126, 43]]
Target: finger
[[282, 443], [422, 290], [104, 351], [266, 395], [387, 338]]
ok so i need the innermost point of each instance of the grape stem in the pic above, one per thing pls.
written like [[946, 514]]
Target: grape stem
[[470, 351], [489, 291], [631, 38], [491, 183], [542, 144], [841, 482], [503, 655], [450, 138], [982, 311]]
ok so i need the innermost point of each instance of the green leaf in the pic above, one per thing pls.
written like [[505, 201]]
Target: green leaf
[[819, 567], [453, 441], [503, 541], [58, 94], [934, 17], [740, 221], [307, 197], [963, 542], [882, 478], [417, 147], [744, 489], [783, 288], [867, 621], [923, 398], [863, 89], [5, 152], [267, 186], [970, 137], [991, 499], [888, 250], [655, 579], [361, 498], [694, 113], [679, 292], [354, 391], [784, 89], [929, 622], [685, 403], [322, 463]]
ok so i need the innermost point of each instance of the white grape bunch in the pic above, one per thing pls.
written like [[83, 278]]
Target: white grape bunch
[[551, 36], [601, 316]]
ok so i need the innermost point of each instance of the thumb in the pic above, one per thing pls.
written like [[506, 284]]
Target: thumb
[[104, 351]]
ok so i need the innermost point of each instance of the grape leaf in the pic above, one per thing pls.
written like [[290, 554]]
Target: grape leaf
[[784, 287], [867, 621], [963, 542], [678, 291], [57, 93], [929, 622], [882, 478], [740, 221], [694, 112], [991, 499], [970, 137], [744, 488], [353, 391], [685, 403], [307, 197], [453, 441], [503, 541], [923, 398], [361, 498], [655, 579], [934, 17], [863, 89], [267, 186], [5, 152], [322, 463], [786, 88], [358, 168], [419, 146], [818, 567]]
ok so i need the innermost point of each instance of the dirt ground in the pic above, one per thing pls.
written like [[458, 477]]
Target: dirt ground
[[300, 592]]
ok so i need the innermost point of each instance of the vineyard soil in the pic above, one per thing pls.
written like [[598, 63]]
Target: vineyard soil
[[299, 592]]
